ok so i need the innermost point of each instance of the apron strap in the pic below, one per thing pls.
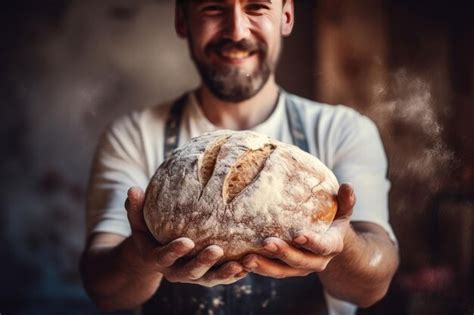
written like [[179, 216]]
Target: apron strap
[[295, 123], [173, 124]]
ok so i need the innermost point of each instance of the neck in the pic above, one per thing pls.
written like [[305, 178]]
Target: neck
[[238, 116]]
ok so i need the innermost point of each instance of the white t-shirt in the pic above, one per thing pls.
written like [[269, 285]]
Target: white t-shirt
[[131, 150]]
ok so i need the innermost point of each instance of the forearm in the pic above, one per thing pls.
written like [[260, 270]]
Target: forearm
[[362, 272], [114, 278]]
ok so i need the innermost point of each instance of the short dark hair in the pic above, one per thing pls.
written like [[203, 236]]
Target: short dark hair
[[181, 2]]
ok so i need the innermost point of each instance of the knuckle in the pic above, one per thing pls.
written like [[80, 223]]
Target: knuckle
[[315, 248], [319, 268], [166, 260], [196, 272], [205, 260], [202, 260], [327, 252], [179, 249], [171, 278], [192, 274], [231, 271], [324, 249], [223, 274], [227, 271], [255, 259], [284, 253], [174, 247], [303, 265], [298, 264], [306, 273], [194, 277], [207, 281], [325, 264]]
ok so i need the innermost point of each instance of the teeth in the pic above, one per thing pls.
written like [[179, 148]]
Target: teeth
[[235, 54]]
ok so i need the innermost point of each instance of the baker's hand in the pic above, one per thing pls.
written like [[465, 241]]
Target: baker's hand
[[311, 252], [154, 258]]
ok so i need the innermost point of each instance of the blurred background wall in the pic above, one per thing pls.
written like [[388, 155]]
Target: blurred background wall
[[69, 67]]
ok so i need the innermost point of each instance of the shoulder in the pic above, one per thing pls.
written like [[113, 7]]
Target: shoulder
[[335, 118], [130, 132], [135, 121], [136, 125]]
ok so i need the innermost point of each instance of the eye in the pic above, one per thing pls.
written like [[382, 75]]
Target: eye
[[213, 10], [256, 8]]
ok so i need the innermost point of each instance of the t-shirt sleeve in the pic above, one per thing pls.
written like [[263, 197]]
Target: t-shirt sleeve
[[359, 159], [118, 164]]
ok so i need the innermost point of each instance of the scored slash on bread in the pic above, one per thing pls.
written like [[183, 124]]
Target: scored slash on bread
[[209, 160], [244, 171]]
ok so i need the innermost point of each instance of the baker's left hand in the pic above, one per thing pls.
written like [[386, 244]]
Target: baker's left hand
[[311, 252]]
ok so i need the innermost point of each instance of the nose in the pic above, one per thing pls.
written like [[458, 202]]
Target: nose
[[237, 25]]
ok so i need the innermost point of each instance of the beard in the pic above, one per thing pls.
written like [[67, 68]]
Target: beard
[[231, 83]]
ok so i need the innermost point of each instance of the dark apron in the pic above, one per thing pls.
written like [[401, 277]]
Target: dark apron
[[254, 294]]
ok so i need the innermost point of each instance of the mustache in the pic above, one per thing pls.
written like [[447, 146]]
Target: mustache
[[244, 45]]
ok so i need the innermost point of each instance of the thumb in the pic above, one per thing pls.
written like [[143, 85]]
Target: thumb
[[346, 200], [134, 206]]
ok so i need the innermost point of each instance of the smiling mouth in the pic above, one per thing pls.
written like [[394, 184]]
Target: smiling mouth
[[235, 54]]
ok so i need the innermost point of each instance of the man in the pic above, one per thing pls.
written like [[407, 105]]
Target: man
[[235, 45]]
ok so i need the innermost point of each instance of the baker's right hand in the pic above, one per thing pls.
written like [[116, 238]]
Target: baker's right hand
[[155, 258]]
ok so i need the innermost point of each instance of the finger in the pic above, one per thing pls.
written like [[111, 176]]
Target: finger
[[241, 274], [271, 268], [228, 270], [346, 201], [171, 252], [134, 206], [328, 244], [228, 273], [294, 257], [197, 267]]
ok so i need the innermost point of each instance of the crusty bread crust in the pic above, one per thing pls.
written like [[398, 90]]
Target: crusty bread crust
[[234, 189]]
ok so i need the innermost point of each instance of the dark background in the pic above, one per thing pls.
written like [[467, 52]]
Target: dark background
[[70, 67]]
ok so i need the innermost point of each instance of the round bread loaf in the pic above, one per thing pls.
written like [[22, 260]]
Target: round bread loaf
[[236, 188]]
